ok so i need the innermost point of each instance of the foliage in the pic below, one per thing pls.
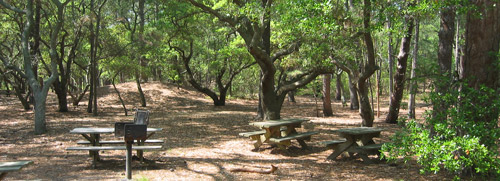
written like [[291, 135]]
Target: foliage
[[458, 142]]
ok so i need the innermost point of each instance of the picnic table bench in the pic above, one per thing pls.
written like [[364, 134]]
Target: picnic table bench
[[357, 140], [279, 132], [97, 148], [11, 166], [93, 138]]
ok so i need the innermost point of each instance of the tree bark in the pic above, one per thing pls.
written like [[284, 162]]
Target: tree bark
[[353, 94], [399, 78], [141, 49], [339, 88], [390, 58], [413, 82], [291, 96], [39, 89], [445, 54], [367, 70], [327, 103], [119, 95], [480, 61], [266, 41]]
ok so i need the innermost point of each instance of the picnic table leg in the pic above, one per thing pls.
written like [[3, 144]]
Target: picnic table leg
[[368, 139], [91, 140], [2, 175], [258, 141], [341, 148], [302, 144], [95, 154]]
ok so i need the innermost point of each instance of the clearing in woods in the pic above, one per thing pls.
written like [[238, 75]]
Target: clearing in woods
[[202, 141]]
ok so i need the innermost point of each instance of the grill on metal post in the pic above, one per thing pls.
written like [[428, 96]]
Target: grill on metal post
[[132, 132], [120, 128]]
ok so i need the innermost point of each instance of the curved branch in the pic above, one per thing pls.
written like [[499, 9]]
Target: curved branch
[[8, 6], [12, 67], [293, 47], [221, 17], [303, 80]]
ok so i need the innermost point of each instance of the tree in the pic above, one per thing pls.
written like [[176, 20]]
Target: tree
[[413, 82], [480, 63], [400, 76], [361, 73], [327, 102], [96, 11], [339, 90], [65, 64], [251, 28], [445, 54], [39, 89]]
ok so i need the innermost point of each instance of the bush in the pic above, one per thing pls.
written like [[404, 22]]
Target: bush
[[458, 138]]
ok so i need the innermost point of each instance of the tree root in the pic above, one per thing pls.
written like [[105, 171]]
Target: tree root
[[255, 170]]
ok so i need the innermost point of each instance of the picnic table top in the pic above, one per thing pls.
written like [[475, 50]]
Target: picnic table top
[[13, 166], [103, 130], [358, 130], [279, 122]]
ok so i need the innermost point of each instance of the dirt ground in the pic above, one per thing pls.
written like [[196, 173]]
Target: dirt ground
[[202, 141]]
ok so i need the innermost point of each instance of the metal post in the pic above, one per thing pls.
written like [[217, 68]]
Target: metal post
[[128, 165]]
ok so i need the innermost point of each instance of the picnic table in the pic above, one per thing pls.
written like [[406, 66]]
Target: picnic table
[[356, 140], [93, 137], [11, 166], [279, 132]]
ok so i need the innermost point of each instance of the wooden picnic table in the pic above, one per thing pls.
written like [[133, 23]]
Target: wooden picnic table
[[93, 135], [279, 132], [11, 166], [357, 140]]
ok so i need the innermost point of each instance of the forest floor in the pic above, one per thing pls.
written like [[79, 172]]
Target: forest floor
[[202, 141]]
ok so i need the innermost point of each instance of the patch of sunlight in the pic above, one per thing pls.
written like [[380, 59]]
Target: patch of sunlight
[[141, 178]]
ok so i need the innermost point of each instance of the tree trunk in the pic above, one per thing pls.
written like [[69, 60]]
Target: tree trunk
[[327, 103], [445, 54], [62, 95], [391, 59], [399, 78], [40, 110], [266, 42], [368, 69], [339, 88], [480, 61], [119, 95], [291, 96], [139, 89], [365, 111], [379, 76], [91, 84], [353, 94], [413, 82], [141, 51], [17, 90]]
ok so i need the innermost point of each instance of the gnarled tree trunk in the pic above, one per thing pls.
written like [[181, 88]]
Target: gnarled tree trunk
[[399, 78]]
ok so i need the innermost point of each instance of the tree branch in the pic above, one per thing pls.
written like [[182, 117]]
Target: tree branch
[[294, 47], [8, 6], [304, 80], [11, 67], [221, 17]]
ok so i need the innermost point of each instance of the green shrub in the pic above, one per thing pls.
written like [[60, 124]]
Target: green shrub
[[457, 139]]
